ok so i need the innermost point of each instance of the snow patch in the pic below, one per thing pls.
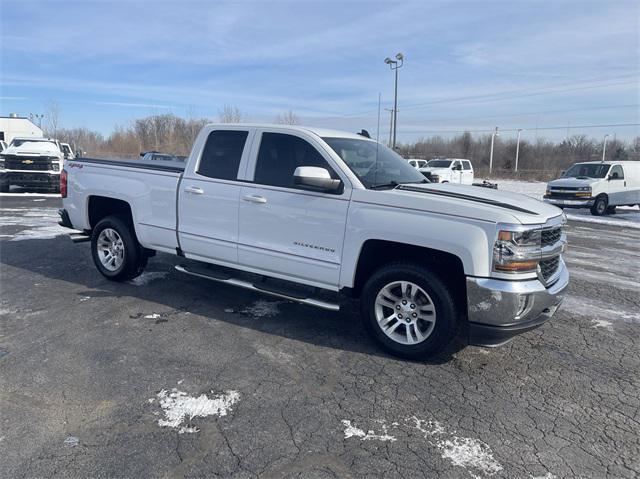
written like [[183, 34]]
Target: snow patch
[[352, 431], [38, 223], [178, 406], [148, 277], [470, 454], [71, 441], [601, 323], [262, 309], [152, 316], [602, 311]]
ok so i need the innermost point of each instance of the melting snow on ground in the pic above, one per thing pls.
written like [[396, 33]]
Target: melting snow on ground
[[38, 223], [260, 309], [148, 277], [178, 407], [471, 454]]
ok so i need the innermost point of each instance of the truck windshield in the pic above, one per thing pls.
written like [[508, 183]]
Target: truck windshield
[[21, 141], [439, 164], [587, 170], [374, 164]]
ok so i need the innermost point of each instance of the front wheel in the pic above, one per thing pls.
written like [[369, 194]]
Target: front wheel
[[409, 311], [4, 187], [115, 249], [599, 208]]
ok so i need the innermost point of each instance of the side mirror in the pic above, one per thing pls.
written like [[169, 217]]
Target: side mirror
[[315, 178], [142, 154]]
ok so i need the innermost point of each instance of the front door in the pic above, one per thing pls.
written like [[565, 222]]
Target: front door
[[456, 172], [287, 230], [616, 187], [208, 198]]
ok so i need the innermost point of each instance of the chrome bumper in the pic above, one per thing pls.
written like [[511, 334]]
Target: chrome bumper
[[498, 310], [568, 203]]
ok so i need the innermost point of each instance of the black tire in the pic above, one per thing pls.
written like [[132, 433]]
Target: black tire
[[599, 208], [4, 187], [447, 324], [611, 210], [135, 258]]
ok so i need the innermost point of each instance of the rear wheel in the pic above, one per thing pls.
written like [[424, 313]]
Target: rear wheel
[[599, 208], [115, 249], [409, 311], [4, 187]]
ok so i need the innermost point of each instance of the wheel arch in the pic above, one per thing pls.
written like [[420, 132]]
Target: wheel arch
[[99, 207], [376, 253]]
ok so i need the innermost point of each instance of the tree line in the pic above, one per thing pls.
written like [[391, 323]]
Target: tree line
[[172, 134]]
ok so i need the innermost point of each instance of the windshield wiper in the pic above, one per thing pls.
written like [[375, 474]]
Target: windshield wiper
[[391, 184], [394, 184]]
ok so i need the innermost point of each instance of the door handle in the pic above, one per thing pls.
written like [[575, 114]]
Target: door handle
[[194, 190], [255, 199]]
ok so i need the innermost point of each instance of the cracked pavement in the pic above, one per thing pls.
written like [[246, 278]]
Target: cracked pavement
[[81, 357]]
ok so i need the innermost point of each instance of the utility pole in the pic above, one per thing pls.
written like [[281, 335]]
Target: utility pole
[[518, 148], [604, 146], [378, 130], [493, 137], [394, 65]]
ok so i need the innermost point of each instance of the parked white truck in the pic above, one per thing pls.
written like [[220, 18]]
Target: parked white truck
[[310, 214], [598, 185], [32, 163], [449, 170]]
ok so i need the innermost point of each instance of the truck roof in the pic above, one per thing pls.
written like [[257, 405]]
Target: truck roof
[[606, 162], [321, 132]]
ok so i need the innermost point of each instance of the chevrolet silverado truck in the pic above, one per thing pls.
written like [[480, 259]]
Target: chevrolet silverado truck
[[31, 163], [309, 215]]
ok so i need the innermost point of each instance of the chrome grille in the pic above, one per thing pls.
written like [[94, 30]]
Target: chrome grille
[[548, 267], [551, 236]]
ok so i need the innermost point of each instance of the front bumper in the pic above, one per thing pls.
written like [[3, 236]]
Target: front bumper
[[499, 310], [570, 203], [43, 179]]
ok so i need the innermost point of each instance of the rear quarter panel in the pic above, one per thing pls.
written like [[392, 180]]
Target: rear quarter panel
[[150, 194]]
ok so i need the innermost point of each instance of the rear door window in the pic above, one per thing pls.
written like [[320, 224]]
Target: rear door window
[[222, 154], [466, 165]]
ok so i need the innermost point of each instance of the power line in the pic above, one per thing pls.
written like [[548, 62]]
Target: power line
[[562, 127]]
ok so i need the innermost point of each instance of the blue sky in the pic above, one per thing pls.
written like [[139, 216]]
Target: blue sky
[[469, 65]]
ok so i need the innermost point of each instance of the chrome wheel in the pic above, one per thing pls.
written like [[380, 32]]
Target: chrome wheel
[[110, 249], [405, 312]]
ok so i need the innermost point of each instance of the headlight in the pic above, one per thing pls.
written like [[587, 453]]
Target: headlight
[[517, 250], [585, 188], [435, 178], [1, 162], [55, 167]]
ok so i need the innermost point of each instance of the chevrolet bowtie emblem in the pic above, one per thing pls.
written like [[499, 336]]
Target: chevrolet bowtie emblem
[[27, 162]]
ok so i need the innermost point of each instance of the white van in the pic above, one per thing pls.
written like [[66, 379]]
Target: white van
[[598, 185], [449, 170]]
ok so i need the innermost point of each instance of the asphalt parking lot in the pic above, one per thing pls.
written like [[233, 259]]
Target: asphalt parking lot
[[93, 376]]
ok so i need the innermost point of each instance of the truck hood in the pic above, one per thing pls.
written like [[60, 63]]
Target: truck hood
[[573, 182], [484, 204], [34, 148]]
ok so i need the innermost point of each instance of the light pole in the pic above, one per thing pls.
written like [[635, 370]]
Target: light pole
[[493, 137], [38, 117], [604, 146], [390, 110], [518, 148], [394, 65]]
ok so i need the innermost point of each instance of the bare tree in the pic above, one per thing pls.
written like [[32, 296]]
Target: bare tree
[[288, 118], [53, 118], [230, 114]]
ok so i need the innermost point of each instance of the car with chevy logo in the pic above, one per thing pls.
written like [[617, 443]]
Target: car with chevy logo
[[32, 163], [598, 185]]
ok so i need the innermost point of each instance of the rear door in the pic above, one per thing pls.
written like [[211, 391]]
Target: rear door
[[285, 229], [456, 172], [209, 195]]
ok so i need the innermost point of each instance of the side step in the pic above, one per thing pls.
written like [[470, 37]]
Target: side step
[[258, 287], [79, 237]]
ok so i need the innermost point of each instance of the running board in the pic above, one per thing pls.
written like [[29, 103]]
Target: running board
[[260, 288], [79, 237]]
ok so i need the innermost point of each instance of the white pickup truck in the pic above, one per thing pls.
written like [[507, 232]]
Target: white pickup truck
[[449, 170], [32, 163], [310, 214]]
